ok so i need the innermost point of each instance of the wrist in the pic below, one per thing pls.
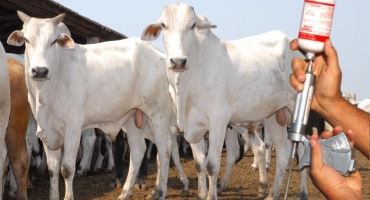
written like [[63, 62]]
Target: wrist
[[329, 107]]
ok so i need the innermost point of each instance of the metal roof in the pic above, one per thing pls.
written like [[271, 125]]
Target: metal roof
[[80, 27]]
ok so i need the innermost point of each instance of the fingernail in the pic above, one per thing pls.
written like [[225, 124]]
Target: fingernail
[[329, 43], [300, 78], [314, 131], [312, 143]]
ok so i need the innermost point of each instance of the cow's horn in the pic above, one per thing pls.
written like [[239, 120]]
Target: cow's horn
[[23, 16]]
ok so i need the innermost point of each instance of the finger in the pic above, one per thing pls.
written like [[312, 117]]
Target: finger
[[294, 46], [351, 137], [299, 69], [314, 137], [326, 134], [337, 130], [331, 53], [317, 163], [295, 84]]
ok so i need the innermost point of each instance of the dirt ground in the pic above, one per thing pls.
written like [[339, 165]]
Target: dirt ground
[[242, 185]]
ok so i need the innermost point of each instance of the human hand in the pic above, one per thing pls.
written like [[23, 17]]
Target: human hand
[[328, 76], [331, 183]]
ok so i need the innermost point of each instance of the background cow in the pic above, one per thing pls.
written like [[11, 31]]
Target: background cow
[[16, 132], [4, 112]]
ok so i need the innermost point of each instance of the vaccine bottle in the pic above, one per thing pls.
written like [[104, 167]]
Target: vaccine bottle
[[317, 16]]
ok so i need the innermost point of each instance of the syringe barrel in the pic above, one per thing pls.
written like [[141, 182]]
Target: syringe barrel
[[302, 108]]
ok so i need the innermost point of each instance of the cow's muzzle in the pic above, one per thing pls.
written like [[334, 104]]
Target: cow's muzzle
[[39, 73], [178, 64]]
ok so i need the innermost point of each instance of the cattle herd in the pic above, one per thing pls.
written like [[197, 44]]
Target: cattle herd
[[209, 91]]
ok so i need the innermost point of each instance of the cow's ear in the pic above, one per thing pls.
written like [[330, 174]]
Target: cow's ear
[[65, 41], [205, 25], [152, 32], [16, 38]]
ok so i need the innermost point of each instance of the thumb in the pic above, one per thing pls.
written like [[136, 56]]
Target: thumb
[[331, 54]]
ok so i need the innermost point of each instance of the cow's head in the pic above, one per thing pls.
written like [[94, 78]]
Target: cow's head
[[182, 30], [43, 38]]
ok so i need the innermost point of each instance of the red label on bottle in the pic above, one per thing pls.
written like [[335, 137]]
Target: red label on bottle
[[316, 21]]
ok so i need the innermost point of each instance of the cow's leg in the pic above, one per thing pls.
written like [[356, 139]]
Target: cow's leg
[[217, 135], [17, 153], [99, 162], [110, 154], [118, 151], [176, 161], [3, 153], [283, 146], [199, 155], [246, 138], [163, 142], [303, 193], [232, 155], [53, 160], [68, 167], [143, 171], [32, 142], [41, 169], [88, 143], [268, 142], [259, 151], [137, 145], [12, 183], [149, 150]]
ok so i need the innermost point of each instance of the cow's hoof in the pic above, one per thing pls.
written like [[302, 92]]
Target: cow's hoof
[[141, 187], [261, 195], [119, 185], [185, 193], [302, 196], [251, 168], [121, 197]]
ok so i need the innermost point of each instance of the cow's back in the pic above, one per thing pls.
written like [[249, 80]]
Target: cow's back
[[256, 72]]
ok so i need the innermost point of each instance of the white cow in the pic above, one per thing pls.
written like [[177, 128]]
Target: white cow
[[219, 82], [364, 105], [88, 138], [4, 113], [74, 87]]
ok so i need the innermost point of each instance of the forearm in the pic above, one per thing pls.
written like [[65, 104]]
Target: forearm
[[344, 114], [343, 194]]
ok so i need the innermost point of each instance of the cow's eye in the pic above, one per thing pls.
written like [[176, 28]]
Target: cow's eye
[[53, 42], [25, 39], [163, 26], [192, 27]]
